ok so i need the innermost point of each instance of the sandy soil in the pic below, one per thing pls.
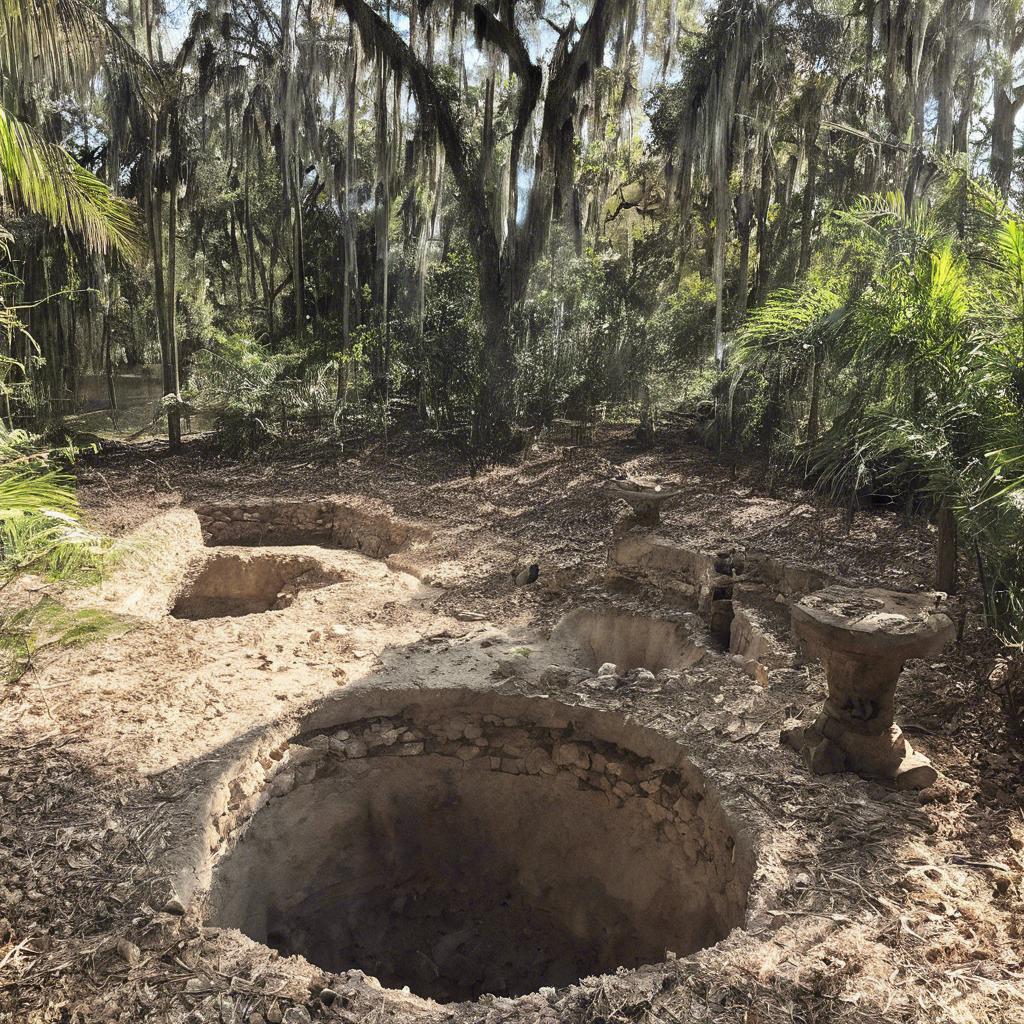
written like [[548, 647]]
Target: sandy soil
[[106, 747]]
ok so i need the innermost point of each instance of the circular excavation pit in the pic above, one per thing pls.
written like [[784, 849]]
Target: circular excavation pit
[[246, 583], [469, 844]]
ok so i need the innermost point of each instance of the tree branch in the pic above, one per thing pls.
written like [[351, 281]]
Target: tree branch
[[379, 36], [571, 67]]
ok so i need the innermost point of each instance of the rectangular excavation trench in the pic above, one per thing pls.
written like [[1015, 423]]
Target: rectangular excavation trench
[[320, 523]]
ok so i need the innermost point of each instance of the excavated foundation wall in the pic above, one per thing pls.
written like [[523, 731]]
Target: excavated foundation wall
[[464, 850], [743, 595], [323, 523]]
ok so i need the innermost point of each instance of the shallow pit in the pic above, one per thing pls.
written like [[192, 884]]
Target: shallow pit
[[630, 640], [228, 584], [480, 845]]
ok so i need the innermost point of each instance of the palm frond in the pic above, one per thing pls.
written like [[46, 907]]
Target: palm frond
[[40, 521], [42, 178], [47, 623], [64, 43]]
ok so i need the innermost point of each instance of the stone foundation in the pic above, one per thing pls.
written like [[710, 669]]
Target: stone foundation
[[464, 851], [325, 523]]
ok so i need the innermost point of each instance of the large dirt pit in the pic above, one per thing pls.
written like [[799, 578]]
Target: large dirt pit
[[463, 845]]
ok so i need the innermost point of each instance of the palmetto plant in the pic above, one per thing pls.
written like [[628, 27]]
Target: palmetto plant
[[41, 532], [56, 44], [922, 324]]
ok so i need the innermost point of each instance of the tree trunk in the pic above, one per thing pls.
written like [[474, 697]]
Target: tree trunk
[[108, 362], [744, 220], [298, 256], [1004, 112], [495, 412], [1005, 104], [945, 71], [813, 414], [173, 414], [807, 214], [946, 550], [154, 222]]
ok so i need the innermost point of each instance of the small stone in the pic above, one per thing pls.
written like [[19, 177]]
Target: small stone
[[174, 905], [608, 669], [274, 1014], [656, 811], [515, 665], [296, 1015], [328, 996], [196, 985], [128, 952], [284, 783], [560, 675], [571, 755], [642, 678]]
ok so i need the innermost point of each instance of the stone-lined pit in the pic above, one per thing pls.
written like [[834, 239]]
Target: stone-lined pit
[[326, 523], [470, 844], [246, 583], [630, 640]]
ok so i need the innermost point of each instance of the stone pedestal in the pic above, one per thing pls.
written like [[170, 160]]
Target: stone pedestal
[[863, 638], [645, 495]]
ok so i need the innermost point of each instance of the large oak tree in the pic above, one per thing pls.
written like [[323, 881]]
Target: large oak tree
[[506, 241]]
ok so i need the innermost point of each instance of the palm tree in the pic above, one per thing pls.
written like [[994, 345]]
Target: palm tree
[[58, 43]]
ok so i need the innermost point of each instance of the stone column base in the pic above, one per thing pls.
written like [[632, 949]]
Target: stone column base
[[827, 748]]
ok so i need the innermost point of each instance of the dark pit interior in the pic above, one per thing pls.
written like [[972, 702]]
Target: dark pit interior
[[460, 872], [226, 584]]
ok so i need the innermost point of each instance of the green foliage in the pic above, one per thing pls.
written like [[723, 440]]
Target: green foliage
[[253, 394], [609, 333], [40, 521], [443, 359], [46, 623], [921, 328], [41, 532], [44, 179]]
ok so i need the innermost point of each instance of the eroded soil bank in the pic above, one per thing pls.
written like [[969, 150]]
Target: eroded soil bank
[[361, 676]]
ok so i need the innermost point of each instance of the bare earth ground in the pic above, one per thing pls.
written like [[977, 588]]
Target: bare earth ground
[[875, 906]]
